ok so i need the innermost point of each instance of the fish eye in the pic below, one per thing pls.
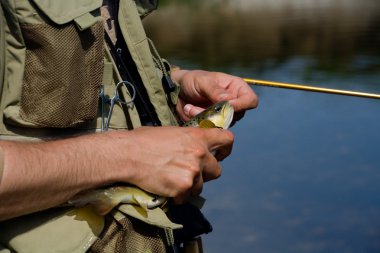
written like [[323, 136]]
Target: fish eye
[[218, 108]]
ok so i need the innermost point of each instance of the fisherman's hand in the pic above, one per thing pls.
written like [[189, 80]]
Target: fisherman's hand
[[175, 161], [200, 89], [168, 161]]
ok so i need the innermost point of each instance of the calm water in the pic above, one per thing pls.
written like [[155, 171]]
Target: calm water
[[304, 175]]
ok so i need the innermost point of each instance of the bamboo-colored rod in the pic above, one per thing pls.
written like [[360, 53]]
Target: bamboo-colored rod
[[311, 88]]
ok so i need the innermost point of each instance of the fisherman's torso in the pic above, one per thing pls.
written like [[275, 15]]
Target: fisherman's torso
[[53, 63], [54, 60]]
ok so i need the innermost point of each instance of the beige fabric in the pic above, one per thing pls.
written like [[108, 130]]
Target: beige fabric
[[155, 217], [134, 35], [47, 231], [1, 162], [62, 12], [62, 58], [57, 230], [27, 15], [4, 250], [120, 119], [2, 47]]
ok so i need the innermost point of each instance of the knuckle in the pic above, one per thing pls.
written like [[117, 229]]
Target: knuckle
[[193, 171], [198, 152], [230, 136], [212, 173], [185, 185]]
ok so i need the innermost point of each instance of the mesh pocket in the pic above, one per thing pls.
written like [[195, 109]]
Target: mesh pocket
[[129, 235], [63, 73]]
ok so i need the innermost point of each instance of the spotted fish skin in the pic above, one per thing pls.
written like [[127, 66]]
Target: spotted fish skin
[[219, 114], [103, 201]]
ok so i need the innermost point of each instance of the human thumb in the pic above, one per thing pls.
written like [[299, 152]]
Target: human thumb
[[191, 110]]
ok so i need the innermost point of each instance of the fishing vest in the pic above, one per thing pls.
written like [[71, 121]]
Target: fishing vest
[[53, 60], [53, 63]]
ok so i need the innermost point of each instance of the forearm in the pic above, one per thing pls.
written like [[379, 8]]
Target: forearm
[[37, 176], [167, 161]]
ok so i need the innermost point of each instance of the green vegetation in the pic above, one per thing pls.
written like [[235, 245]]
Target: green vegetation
[[216, 34]]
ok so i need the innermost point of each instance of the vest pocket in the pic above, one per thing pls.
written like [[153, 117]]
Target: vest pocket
[[63, 73]]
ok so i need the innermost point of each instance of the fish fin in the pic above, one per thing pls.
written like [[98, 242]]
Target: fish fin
[[103, 207], [206, 124], [98, 200]]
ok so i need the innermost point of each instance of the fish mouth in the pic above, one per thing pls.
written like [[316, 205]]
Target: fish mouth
[[228, 115]]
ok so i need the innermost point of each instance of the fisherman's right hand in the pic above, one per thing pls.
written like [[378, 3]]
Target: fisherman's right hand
[[170, 161], [167, 161]]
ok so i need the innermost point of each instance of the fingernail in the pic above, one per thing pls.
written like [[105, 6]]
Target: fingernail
[[196, 111], [187, 109]]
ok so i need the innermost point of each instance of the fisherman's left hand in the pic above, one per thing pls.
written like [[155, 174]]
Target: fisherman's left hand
[[200, 89]]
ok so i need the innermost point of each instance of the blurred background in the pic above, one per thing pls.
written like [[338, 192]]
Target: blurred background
[[304, 175]]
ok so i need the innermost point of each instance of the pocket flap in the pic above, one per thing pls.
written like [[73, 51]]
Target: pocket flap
[[62, 12]]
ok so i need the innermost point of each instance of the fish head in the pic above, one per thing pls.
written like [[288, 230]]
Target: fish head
[[218, 115]]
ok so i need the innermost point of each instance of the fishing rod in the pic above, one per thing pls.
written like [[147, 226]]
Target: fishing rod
[[310, 88]]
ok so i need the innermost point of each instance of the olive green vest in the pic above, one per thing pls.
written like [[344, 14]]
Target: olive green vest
[[66, 47], [53, 60]]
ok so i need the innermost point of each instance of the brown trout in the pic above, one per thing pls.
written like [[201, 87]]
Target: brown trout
[[104, 200], [218, 115]]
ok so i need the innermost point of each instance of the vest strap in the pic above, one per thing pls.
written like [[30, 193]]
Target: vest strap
[[107, 73], [85, 21]]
